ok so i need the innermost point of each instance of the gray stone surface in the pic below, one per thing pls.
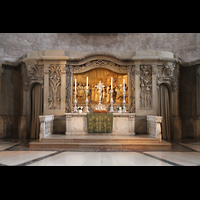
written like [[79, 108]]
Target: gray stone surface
[[14, 45]]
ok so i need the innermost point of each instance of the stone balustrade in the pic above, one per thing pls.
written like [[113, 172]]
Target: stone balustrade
[[46, 126], [154, 126]]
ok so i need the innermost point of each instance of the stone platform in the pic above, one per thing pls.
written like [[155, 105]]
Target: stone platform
[[100, 141]]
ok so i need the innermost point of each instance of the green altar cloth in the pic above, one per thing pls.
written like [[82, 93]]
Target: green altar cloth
[[100, 122]]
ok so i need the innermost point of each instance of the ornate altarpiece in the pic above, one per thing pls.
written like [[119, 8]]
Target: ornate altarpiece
[[145, 74]]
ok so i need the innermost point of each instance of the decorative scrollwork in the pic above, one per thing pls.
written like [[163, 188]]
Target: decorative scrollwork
[[145, 87], [132, 88], [33, 74], [68, 89], [166, 75], [54, 86], [100, 63]]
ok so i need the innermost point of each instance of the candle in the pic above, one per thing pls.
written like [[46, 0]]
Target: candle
[[111, 82], [87, 82], [124, 83], [75, 85]]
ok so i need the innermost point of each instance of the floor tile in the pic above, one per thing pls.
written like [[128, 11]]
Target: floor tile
[[136, 159], [19, 157], [100, 159], [64, 159], [6, 145], [181, 158], [192, 145]]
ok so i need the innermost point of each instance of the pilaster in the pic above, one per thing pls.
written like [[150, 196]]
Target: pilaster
[[54, 88], [137, 88]]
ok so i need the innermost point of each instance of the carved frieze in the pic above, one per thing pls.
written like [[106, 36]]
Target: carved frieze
[[145, 86], [100, 63], [54, 87]]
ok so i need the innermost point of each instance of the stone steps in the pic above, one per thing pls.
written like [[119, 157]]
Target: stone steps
[[105, 142]]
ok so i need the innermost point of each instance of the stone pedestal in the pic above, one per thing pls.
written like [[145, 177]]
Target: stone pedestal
[[154, 127], [46, 126]]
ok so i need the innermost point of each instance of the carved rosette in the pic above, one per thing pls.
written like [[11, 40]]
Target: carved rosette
[[54, 87], [33, 74], [145, 87]]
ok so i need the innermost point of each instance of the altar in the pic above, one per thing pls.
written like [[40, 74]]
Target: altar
[[122, 124], [127, 86]]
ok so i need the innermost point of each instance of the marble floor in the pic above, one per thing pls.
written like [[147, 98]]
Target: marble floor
[[17, 153]]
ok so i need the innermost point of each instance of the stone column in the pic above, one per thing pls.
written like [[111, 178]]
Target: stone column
[[197, 134]]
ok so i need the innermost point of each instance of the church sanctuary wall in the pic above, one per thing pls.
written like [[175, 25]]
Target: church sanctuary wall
[[54, 70], [189, 101], [14, 45], [11, 101]]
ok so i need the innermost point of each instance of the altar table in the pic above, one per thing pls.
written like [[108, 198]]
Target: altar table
[[122, 123]]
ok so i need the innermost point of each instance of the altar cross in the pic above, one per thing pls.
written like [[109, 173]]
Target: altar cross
[[99, 86]]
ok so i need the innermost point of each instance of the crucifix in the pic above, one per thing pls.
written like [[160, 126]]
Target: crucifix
[[100, 86]]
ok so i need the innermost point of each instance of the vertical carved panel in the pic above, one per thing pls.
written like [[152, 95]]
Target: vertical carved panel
[[132, 88], [145, 87], [54, 87], [68, 89]]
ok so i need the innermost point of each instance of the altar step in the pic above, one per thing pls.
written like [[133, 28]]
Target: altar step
[[105, 142]]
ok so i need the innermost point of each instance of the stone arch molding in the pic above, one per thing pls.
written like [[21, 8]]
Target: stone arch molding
[[100, 63], [33, 74], [168, 74]]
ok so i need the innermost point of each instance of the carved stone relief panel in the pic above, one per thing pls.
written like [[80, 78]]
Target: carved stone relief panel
[[132, 88], [166, 75], [69, 72], [146, 87], [33, 73], [54, 98], [100, 63]]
